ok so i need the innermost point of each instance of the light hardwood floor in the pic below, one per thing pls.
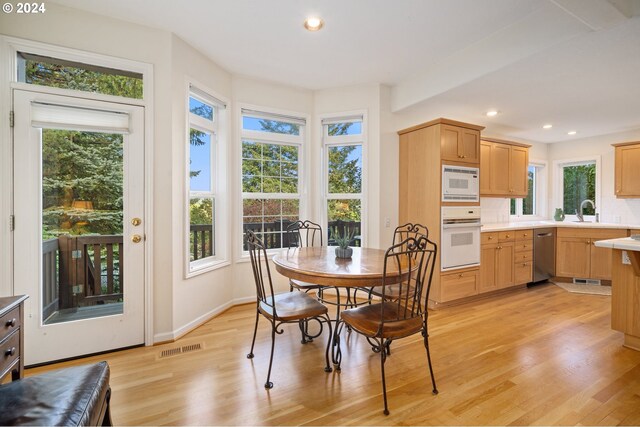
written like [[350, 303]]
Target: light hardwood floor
[[537, 356]]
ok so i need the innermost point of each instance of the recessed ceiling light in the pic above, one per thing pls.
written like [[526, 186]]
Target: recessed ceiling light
[[313, 23], [492, 113], [547, 126], [571, 132]]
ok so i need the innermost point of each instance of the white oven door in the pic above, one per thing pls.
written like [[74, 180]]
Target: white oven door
[[460, 245]]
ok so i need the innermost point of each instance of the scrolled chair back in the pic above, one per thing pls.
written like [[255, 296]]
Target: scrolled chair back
[[303, 234], [261, 271], [407, 230], [414, 260]]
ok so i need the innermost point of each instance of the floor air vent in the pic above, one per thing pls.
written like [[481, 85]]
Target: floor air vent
[[586, 281], [180, 350]]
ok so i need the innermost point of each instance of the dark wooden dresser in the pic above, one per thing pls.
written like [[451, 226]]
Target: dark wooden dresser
[[12, 337]]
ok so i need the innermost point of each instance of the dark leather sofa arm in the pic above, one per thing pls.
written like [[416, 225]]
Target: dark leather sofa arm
[[75, 396]]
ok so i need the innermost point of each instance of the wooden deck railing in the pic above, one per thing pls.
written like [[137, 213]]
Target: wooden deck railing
[[80, 271], [274, 236]]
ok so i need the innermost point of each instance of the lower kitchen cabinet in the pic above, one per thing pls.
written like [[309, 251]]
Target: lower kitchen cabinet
[[577, 256], [496, 261], [523, 259], [459, 284]]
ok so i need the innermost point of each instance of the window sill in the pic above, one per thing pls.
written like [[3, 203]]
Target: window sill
[[206, 268], [526, 218]]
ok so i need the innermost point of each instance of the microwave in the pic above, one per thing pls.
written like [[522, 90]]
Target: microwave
[[460, 184]]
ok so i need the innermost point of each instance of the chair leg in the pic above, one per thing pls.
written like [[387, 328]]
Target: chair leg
[[304, 331], [425, 335], [269, 384], [255, 330], [383, 358], [327, 367]]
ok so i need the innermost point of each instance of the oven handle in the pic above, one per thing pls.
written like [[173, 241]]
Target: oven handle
[[461, 225]]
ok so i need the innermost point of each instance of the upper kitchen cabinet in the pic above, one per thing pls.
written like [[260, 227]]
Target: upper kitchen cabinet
[[460, 144], [503, 168], [627, 170]]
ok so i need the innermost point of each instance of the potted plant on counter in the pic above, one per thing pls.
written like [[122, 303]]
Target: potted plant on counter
[[342, 240]]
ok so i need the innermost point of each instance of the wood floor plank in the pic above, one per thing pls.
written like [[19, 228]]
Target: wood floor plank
[[538, 356]]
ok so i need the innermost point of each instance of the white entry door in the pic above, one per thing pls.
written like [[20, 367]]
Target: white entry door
[[79, 224]]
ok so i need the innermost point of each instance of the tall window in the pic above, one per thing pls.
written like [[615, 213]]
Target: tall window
[[202, 142], [532, 204], [578, 184], [271, 153], [343, 149]]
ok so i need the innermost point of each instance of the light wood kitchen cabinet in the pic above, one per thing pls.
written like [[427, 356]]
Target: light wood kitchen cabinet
[[496, 261], [627, 170], [523, 258], [459, 284], [460, 144], [488, 255], [423, 149], [503, 168], [577, 256]]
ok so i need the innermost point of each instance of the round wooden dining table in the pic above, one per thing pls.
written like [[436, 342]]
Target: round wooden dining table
[[319, 265]]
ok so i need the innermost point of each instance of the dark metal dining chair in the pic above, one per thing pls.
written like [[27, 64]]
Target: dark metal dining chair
[[400, 234], [278, 309], [406, 313], [298, 234]]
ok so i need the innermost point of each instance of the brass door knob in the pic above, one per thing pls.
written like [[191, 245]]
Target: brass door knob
[[136, 221], [136, 238]]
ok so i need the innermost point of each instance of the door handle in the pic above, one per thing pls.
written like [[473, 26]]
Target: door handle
[[136, 238], [136, 222]]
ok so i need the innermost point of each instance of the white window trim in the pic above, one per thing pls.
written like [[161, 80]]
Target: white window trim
[[559, 188], [541, 190], [9, 47], [342, 117], [270, 138], [219, 172]]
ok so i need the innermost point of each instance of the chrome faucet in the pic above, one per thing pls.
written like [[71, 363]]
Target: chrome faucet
[[580, 214]]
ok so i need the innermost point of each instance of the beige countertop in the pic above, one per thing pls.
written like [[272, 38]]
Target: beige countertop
[[522, 225], [625, 244]]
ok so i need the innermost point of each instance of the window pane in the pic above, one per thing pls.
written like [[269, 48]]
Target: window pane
[[54, 72], [264, 168], [199, 160], [201, 229], [345, 169], [512, 209], [344, 216], [528, 203], [201, 109], [344, 129], [273, 126], [269, 218], [579, 183]]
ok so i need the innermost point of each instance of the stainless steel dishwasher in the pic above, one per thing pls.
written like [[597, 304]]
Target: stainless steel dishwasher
[[544, 254]]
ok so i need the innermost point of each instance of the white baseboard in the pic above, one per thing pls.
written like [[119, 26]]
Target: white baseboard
[[199, 321]]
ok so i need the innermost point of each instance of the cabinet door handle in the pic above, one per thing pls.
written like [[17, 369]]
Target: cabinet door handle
[[11, 323], [460, 275], [10, 352]]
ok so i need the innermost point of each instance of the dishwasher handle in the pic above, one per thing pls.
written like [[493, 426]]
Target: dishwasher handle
[[544, 235]]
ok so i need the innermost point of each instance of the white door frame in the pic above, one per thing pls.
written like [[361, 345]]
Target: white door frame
[[9, 46], [58, 341]]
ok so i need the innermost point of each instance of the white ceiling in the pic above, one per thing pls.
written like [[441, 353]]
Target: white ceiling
[[573, 63]]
